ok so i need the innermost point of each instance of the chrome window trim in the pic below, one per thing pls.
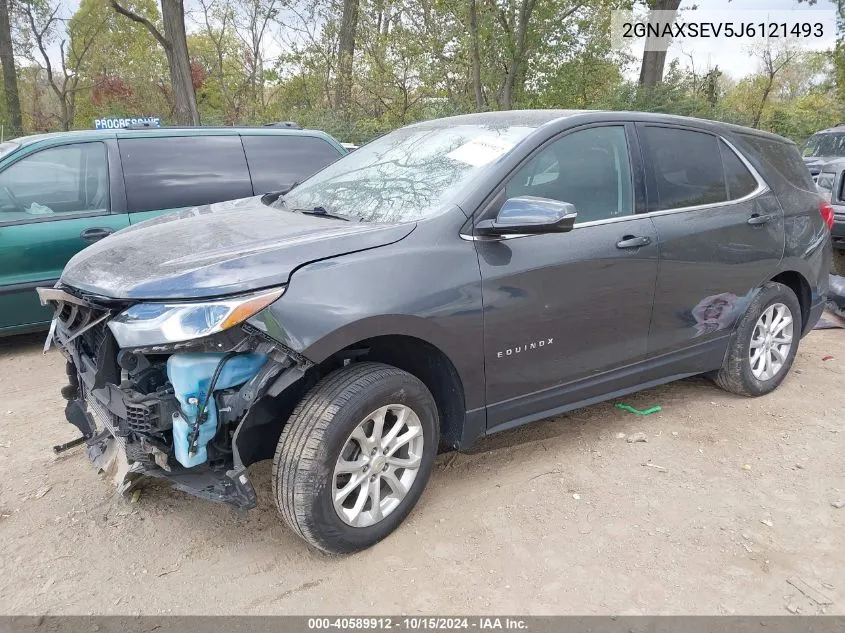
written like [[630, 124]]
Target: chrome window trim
[[761, 188]]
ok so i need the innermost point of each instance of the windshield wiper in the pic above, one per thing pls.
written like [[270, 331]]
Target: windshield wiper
[[322, 212]]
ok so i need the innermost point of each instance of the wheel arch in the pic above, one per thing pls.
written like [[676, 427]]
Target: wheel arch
[[798, 283], [424, 359]]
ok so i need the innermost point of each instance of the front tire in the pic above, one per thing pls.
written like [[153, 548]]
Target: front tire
[[355, 456], [765, 343]]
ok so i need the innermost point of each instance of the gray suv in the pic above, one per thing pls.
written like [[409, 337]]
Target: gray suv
[[452, 279]]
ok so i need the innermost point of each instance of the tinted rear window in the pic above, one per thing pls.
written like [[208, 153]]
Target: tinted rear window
[[172, 172], [783, 158], [687, 167], [277, 162]]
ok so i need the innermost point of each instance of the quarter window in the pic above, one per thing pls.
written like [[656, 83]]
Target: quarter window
[[588, 168], [171, 172], [56, 181]]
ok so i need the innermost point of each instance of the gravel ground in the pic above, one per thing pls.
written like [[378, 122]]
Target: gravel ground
[[726, 504]]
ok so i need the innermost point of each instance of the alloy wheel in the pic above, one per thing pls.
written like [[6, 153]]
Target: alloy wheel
[[771, 341], [377, 465]]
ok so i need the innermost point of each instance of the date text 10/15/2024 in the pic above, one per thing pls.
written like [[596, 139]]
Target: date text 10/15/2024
[[403, 623]]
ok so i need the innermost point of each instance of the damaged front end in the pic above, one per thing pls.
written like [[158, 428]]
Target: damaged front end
[[196, 412]]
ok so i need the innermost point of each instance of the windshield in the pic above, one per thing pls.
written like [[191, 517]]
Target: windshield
[[406, 175], [825, 145]]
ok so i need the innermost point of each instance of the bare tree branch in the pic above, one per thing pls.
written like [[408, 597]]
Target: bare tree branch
[[140, 19]]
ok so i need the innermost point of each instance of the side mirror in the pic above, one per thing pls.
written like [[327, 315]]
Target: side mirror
[[530, 215]]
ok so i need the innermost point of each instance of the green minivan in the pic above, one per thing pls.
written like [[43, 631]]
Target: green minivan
[[61, 192]]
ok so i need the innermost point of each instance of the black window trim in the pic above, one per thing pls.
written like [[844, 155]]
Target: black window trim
[[761, 188], [76, 214]]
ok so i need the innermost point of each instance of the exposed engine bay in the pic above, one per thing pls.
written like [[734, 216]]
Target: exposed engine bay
[[196, 413]]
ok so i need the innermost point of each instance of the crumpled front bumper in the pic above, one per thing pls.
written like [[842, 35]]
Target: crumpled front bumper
[[125, 425], [125, 462]]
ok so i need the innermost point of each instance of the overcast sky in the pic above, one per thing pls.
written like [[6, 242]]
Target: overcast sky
[[731, 55]]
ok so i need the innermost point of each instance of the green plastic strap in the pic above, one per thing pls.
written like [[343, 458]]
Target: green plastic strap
[[631, 409]]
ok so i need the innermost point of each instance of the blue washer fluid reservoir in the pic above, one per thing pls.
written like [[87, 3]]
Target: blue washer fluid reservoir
[[190, 374]]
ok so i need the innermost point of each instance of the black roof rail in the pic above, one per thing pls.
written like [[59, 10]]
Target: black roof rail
[[141, 126], [293, 125]]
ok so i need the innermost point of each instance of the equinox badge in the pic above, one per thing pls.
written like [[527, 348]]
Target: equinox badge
[[524, 348]]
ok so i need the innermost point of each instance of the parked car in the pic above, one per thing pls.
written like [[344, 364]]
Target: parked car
[[61, 192], [449, 280], [823, 147], [831, 183]]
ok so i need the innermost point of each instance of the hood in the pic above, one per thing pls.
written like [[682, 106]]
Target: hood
[[217, 250]]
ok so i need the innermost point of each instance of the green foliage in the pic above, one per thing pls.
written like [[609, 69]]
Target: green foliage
[[125, 72], [256, 61]]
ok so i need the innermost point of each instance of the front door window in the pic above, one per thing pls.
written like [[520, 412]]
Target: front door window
[[59, 181]]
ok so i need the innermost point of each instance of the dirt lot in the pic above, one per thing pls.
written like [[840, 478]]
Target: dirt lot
[[565, 516]]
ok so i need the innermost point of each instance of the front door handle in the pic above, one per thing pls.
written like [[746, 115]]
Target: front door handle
[[633, 241], [96, 233], [757, 219]]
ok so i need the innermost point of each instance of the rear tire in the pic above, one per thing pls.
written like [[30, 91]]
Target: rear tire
[[745, 370], [338, 440]]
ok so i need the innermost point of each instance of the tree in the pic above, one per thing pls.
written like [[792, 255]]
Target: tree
[[839, 50], [231, 46], [252, 21], [476, 56], [651, 70], [346, 55], [127, 76], [45, 26], [774, 57], [10, 78], [174, 41], [522, 32]]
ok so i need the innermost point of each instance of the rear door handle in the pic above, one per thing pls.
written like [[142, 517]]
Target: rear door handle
[[633, 241], [96, 233], [757, 219]]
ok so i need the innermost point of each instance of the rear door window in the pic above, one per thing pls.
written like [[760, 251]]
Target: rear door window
[[278, 161], [171, 172], [686, 168]]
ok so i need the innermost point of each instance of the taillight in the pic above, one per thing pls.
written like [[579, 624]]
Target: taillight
[[826, 209]]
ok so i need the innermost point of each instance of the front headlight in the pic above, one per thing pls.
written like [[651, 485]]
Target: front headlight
[[147, 324]]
